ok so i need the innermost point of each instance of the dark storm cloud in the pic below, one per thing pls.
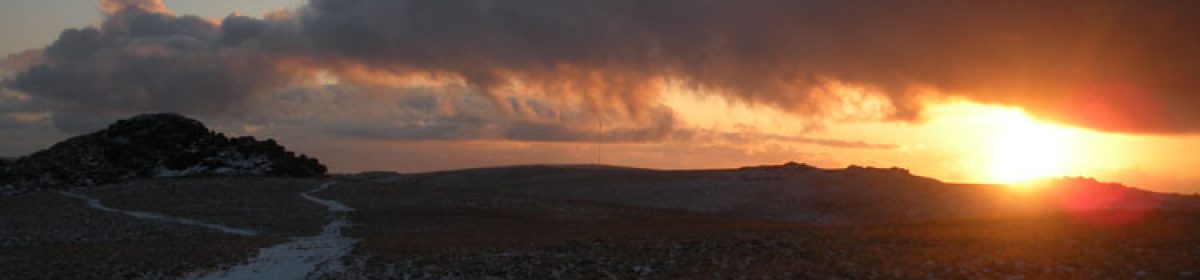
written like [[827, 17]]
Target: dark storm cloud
[[141, 60], [423, 114], [1113, 65]]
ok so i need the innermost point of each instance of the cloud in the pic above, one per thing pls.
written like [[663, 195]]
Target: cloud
[[424, 114], [10, 121], [141, 59], [1110, 65], [19, 62], [25, 132], [837, 143], [110, 7]]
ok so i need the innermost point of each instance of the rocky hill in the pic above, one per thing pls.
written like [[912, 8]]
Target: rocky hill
[[150, 146]]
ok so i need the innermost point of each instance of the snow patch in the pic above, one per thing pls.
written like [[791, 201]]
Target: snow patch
[[163, 172], [334, 206], [226, 162], [95, 203], [301, 258]]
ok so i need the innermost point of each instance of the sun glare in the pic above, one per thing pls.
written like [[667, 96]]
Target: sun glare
[[1025, 149]]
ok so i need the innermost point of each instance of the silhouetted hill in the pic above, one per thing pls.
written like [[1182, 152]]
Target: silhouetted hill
[[797, 192], [148, 146]]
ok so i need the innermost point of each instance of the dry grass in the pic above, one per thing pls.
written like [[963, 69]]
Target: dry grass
[[51, 236], [271, 206], [430, 232], [422, 230], [147, 259], [49, 218]]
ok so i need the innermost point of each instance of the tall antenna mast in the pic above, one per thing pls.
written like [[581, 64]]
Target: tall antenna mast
[[599, 138]]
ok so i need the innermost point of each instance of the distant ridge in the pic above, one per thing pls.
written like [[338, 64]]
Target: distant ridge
[[803, 193], [150, 146]]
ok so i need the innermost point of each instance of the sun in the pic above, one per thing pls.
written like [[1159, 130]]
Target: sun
[[1024, 149]]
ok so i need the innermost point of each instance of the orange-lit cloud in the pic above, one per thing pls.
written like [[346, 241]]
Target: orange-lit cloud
[[830, 81], [1110, 65], [110, 7], [424, 114]]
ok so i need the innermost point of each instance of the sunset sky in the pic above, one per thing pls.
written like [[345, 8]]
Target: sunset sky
[[961, 91]]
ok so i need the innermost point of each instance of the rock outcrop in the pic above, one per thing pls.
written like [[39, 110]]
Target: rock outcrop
[[150, 146]]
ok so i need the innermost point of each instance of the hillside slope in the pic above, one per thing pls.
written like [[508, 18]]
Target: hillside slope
[[150, 146], [800, 193]]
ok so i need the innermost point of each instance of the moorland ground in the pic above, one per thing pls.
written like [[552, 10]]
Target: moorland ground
[[538, 223]]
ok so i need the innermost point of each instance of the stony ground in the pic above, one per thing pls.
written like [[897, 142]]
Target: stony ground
[[269, 205], [424, 233], [409, 230], [52, 236]]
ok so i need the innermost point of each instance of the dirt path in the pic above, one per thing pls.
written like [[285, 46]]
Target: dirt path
[[95, 203], [301, 258]]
